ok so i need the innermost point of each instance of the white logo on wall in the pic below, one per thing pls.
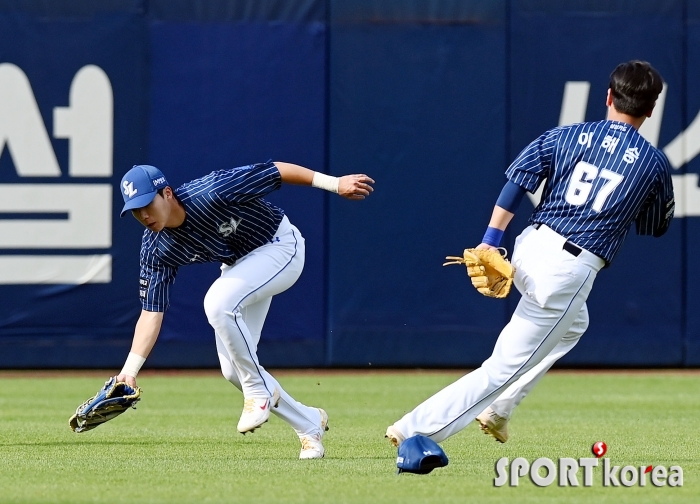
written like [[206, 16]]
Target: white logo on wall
[[681, 150], [87, 123]]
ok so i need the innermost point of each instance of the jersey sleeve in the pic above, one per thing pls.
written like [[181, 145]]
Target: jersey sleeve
[[155, 277], [532, 165], [657, 212], [511, 196], [247, 183]]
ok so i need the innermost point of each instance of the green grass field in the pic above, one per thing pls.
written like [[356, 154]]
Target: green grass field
[[181, 444]]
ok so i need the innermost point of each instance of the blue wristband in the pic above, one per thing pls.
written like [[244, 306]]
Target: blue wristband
[[492, 236]]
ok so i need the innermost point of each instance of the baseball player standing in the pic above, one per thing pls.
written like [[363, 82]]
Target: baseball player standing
[[223, 217], [600, 178]]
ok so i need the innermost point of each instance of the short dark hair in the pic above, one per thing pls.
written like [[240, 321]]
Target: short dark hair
[[160, 192], [635, 86]]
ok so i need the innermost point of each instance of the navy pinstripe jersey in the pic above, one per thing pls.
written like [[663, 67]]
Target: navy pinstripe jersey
[[226, 218], [600, 177]]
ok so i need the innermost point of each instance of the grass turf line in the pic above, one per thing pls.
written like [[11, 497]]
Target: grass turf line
[[181, 445]]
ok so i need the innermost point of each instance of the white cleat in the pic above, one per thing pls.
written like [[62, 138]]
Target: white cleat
[[493, 424], [312, 446], [256, 412], [393, 435]]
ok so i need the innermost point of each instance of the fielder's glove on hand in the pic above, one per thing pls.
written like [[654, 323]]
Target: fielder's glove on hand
[[111, 401], [490, 272]]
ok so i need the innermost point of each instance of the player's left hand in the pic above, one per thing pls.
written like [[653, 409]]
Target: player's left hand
[[489, 271], [125, 378], [355, 187], [111, 401]]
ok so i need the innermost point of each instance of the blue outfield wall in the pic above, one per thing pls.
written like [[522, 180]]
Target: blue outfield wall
[[196, 86], [691, 226], [87, 321], [231, 88], [636, 318], [417, 100], [431, 98]]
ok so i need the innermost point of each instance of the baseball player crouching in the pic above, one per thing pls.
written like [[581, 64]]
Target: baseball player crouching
[[600, 177], [222, 217]]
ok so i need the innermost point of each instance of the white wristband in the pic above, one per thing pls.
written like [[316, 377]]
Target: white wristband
[[327, 182], [133, 364]]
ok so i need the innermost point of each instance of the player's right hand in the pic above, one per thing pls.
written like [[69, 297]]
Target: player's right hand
[[129, 380], [355, 187]]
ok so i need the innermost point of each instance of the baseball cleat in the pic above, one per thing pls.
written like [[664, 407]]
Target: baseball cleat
[[312, 446], [493, 425], [393, 435], [256, 411]]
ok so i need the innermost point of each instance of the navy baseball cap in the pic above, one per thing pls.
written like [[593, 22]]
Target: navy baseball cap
[[140, 185], [420, 455]]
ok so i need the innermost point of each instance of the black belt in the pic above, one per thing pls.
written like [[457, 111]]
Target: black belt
[[572, 249]]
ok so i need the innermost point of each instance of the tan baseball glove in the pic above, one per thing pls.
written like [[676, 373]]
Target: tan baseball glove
[[490, 272]]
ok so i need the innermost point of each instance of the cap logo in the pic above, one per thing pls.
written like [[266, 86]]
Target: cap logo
[[129, 188], [159, 180]]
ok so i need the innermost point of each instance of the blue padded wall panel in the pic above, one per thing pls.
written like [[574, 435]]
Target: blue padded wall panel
[[432, 98], [690, 144], [419, 104], [229, 94], [636, 319], [81, 324]]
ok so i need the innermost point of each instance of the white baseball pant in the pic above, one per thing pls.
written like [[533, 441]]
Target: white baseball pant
[[236, 306], [554, 285], [520, 388]]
